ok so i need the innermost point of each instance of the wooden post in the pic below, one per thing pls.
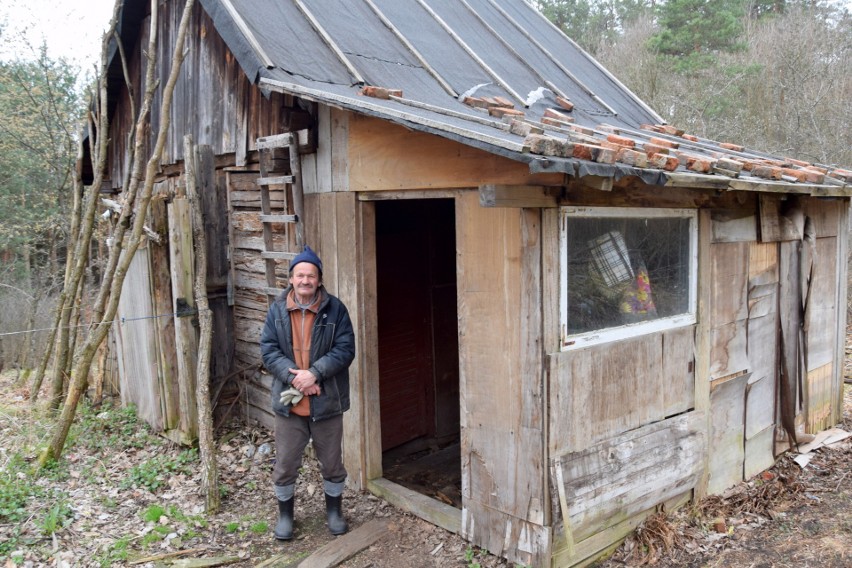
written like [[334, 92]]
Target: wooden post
[[186, 340], [702, 342]]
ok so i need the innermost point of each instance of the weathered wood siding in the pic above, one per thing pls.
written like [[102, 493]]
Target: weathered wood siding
[[503, 421], [135, 333], [213, 101], [750, 253]]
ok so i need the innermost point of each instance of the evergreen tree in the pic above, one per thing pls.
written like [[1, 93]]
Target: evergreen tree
[[592, 23], [694, 32]]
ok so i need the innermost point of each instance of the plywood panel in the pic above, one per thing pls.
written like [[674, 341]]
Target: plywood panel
[[629, 473], [385, 156], [825, 214], [136, 337], [762, 351], [726, 447], [502, 431], [763, 258], [728, 308], [729, 275], [760, 406], [728, 352], [759, 452]]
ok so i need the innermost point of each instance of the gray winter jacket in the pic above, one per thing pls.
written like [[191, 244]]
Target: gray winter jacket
[[332, 351]]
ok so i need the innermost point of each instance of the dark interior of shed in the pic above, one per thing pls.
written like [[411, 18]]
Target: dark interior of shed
[[418, 346]]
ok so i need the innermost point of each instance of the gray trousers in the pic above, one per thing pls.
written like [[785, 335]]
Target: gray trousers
[[292, 434]]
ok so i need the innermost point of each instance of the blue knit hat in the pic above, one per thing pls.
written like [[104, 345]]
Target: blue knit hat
[[309, 256]]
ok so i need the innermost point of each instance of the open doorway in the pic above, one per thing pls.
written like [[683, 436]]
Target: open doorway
[[418, 346]]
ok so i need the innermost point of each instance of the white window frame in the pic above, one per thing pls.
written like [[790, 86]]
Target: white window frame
[[610, 334]]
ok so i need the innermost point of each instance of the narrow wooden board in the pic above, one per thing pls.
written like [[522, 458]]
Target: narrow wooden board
[[346, 546], [678, 370], [186, 336], [729, 351], [727, 407], [500, 394], [730, 226], [730, 279], [821, 340], [518, 540]]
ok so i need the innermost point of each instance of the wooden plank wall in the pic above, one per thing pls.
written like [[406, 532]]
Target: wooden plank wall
[[603, 391], [613, 480], [747, 248], [213, 99], [502, 419], [821, 386], [609, 424]]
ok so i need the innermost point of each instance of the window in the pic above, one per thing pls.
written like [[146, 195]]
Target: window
[[626, 272]]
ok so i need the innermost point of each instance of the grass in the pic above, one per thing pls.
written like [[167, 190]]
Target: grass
[[152, 474]]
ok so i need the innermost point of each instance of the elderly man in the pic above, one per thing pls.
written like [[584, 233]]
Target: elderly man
[[308, 344]]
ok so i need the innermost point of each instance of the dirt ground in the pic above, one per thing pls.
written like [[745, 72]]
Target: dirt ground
[[108, 488]]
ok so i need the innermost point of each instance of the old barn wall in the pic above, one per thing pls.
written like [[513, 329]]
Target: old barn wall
[[213, 100]]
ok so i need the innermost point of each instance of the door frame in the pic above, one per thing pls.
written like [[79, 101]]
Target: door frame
[[371, 479]]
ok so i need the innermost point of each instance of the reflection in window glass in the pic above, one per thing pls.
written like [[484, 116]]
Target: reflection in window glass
[[624, 270]]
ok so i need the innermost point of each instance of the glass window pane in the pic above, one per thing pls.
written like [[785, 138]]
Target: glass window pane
[[624, 270]]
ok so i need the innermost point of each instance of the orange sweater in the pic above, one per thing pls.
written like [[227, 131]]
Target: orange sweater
[[302, 322]]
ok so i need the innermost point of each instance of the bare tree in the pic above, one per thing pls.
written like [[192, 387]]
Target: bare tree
[[209, 468], [135, 207]]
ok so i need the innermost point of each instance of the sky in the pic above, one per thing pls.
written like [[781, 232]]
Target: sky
[[71, 28]]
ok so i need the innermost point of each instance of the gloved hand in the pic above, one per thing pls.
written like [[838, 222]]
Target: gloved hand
[[291, 396]]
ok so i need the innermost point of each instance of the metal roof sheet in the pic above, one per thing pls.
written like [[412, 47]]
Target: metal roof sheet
[[438, 52]]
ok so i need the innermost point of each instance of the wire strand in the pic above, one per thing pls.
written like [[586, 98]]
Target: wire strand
[[122, 321]]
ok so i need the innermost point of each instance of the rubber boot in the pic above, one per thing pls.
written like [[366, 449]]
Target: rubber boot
[[284, 526], [336, 523]]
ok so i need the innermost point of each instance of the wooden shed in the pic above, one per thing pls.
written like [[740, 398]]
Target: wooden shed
[[574, 310]]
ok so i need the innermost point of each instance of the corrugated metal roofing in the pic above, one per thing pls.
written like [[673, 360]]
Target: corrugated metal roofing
[[489, 53]]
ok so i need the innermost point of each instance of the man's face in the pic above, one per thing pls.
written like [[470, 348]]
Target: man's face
[[305, 281]]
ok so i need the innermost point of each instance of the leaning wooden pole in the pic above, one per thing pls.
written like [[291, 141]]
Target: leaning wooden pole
[[206, 443], [99, 330]]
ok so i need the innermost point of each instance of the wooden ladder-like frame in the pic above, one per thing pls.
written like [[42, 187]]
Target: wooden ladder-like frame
[[292, 185]]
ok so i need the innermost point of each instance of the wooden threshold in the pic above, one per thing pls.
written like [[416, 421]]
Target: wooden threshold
[[426, 508]]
